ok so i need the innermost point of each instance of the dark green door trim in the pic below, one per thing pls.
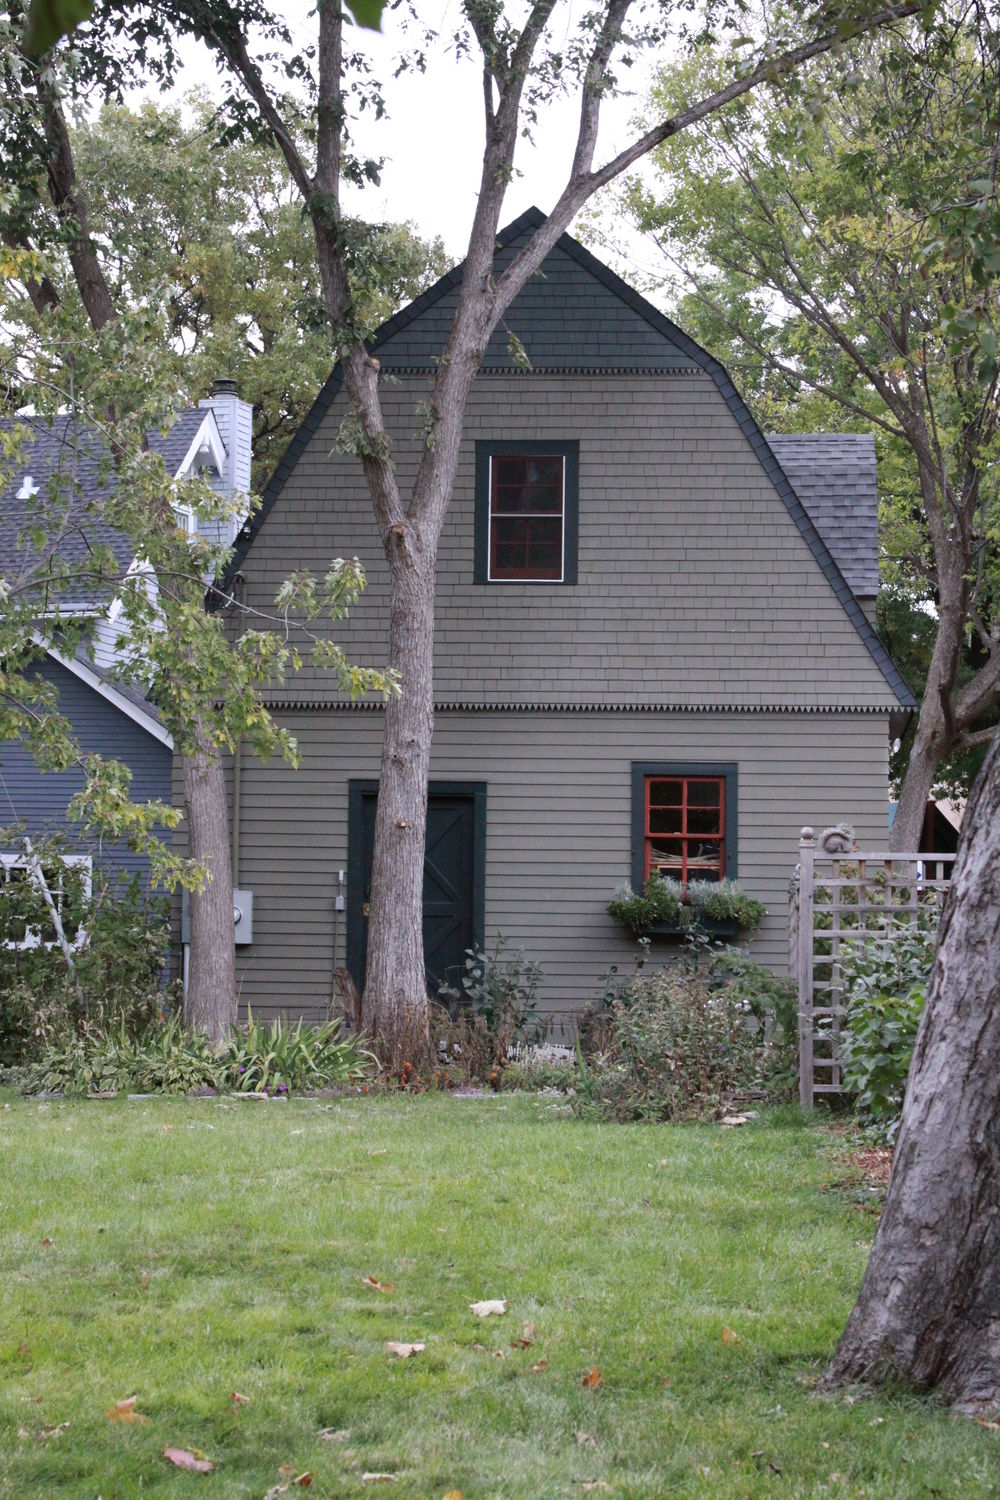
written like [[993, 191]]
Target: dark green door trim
[[360, 799]]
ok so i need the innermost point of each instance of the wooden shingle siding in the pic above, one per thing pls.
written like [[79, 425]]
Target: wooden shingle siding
[[558, 837], [695, 586]]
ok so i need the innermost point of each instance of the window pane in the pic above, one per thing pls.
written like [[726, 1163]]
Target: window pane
[[704, 793], [703, 820], [546, 471], [665, 793], [665, 820], [511, 497], [509, 471], [544, 542]]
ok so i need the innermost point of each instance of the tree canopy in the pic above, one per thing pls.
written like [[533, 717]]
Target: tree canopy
[[830, 243]]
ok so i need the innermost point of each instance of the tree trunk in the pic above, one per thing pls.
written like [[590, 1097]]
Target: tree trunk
[[394, 1011], [928, 1314], [210, 1000], [918, 784]]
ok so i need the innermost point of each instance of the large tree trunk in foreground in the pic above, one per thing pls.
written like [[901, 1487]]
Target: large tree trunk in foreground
[[928, 1315], [210, 1000], [394, 1011]]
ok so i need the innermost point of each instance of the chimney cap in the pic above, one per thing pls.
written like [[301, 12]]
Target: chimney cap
[[224, 388]]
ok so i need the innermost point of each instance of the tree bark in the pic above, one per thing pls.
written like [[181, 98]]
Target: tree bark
[[394, 1010], [928, 1314], [210, 1000]]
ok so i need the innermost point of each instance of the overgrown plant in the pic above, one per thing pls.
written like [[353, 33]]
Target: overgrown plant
[[679, 1044]]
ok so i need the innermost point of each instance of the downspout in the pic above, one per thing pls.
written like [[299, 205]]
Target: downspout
[[237, 767]]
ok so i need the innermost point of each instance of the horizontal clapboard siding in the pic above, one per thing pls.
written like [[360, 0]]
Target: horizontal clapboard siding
[[39, 799], [558, 829]]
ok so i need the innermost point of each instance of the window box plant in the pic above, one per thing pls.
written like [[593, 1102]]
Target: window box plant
[[664, 908]]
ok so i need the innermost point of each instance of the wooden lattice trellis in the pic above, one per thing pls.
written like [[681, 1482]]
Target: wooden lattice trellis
[[842, 898]]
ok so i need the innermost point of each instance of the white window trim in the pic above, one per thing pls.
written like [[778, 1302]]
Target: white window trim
[[29, 863], [490, 578]]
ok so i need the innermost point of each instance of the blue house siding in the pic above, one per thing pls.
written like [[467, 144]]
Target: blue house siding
[[39, 800]]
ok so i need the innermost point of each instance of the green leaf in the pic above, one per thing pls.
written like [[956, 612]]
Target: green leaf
[[50, 20], [367, 13]]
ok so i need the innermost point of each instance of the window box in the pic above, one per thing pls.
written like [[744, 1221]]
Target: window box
[[664, 908]]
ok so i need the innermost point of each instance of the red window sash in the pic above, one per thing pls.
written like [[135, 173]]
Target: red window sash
[[684, 838]]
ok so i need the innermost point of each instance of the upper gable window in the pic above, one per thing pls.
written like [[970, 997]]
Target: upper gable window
[[526, 511]]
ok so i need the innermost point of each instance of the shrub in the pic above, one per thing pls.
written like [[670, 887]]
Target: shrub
[[493, 1008], [885, 987], [679, 1046], [120, 936]]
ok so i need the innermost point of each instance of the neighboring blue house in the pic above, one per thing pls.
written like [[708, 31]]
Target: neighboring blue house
[[109, 716]]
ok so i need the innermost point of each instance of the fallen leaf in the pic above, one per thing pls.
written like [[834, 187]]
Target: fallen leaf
[[595, 1484], [48, 1242], [286, 1469], [592, 1378], [521, 1343], [378, 1478], [404, 1350], [334, 1434], [729, 1337], [452, 1495], [124, 1411], [185, 1458], [144, 1279], [497, 1354], [489, 1309], [380, 1286], [734, 1120], [238, 1400], [540, 1365], [666, 1381]]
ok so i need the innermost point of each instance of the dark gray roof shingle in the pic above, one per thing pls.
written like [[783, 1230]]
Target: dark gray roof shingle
[[833, 475], [71, 472]]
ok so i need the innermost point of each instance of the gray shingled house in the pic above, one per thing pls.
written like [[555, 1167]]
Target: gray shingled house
[[639, 596], [63, 463]]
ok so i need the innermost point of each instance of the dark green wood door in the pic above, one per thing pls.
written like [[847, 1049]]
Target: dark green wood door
[[454, 874]]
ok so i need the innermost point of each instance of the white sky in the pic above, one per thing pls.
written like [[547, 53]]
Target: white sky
[[433, 137]]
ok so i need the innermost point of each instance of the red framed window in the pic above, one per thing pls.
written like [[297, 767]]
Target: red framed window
[[684, 827], [527, 511]]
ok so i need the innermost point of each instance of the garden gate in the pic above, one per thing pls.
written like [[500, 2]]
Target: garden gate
[[841, 898]]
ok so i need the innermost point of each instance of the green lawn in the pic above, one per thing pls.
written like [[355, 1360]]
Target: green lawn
[[199, 1248]]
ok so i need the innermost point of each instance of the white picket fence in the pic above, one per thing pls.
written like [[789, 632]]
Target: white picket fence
[[840, 899]]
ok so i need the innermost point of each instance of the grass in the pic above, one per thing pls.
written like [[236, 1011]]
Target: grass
[[205, 1247]]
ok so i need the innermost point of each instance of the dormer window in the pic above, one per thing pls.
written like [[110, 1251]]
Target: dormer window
[[526, 511]]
